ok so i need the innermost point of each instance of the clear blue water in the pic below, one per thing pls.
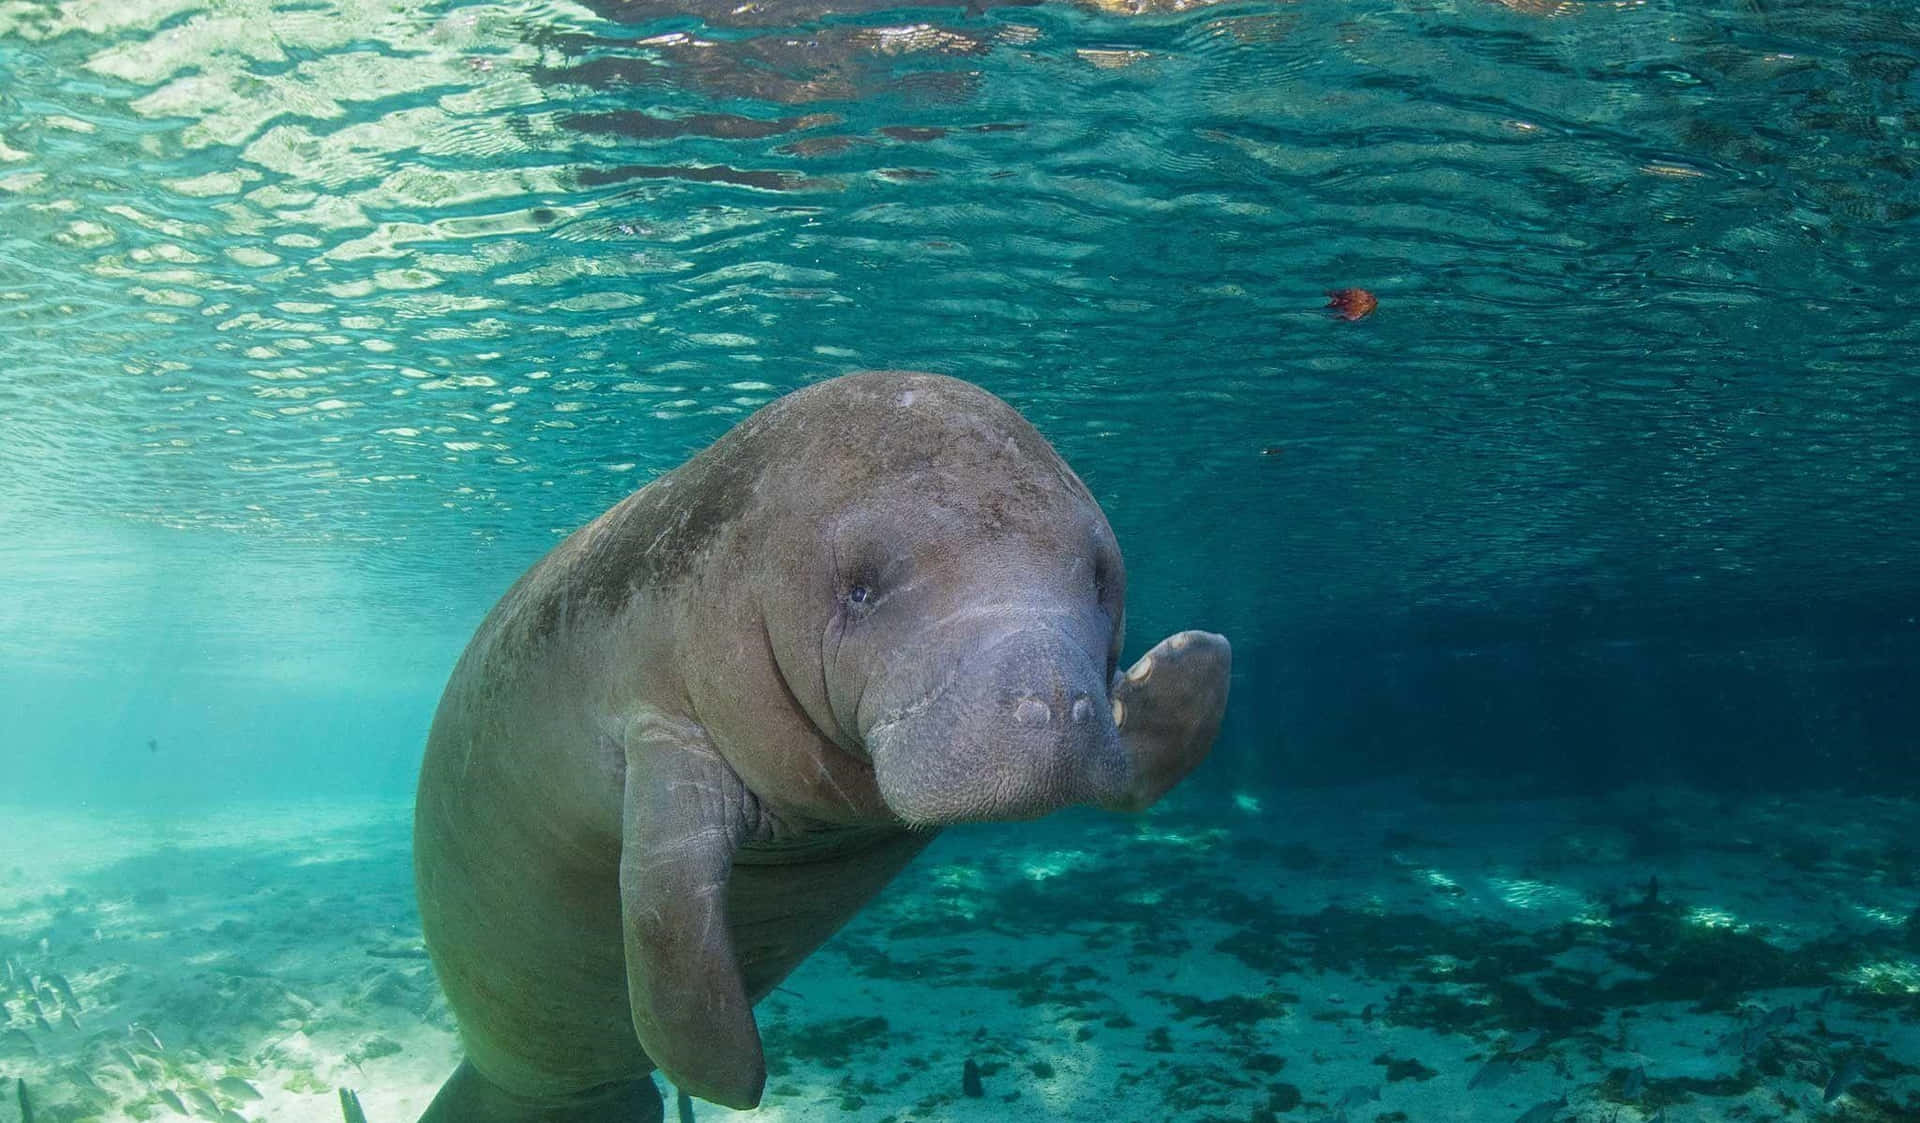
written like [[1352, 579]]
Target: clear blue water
[[321, 321]]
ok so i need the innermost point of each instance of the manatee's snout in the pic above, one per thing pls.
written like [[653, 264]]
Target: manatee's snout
[[1016, 724]]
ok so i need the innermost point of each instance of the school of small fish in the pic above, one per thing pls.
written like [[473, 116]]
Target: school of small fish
[[41, 1006]]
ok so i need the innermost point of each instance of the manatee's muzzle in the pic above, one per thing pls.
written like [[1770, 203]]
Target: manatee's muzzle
[[1018, 726]]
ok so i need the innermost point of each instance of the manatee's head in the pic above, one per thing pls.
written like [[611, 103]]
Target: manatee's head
[[952, 599]]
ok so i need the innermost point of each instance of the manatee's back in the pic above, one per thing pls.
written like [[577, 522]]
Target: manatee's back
[[517, 881]]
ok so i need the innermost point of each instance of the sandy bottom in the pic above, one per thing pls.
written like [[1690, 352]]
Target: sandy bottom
[[1367, 954]]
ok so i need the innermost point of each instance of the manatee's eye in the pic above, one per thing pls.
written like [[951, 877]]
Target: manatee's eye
[[859, 594]]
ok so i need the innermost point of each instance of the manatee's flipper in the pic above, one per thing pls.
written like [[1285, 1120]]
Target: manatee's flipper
[[686, 813], [468, 1097], [1168, 707]]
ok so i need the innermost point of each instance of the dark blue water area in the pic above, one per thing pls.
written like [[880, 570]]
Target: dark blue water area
[[1578, 697]]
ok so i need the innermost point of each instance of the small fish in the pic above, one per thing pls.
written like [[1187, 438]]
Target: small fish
[[1524, 1042], [16, 1040], [970, 1080], [153, 744], [172, 1099], [26, 1104], [1491, 1075], [1846, 1076], [201, 1101], [238, 1089], [66, 1015], [686, 1108], [350, 1107], [1652, 897], [1357, 1095], [1635, 1085], [65, 988], [397, 953], [1776, 1017], [40, 1023], [1543, 1112], [228, 1115], [145, 1037]]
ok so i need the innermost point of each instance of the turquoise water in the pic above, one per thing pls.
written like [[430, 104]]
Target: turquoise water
[[321, 321]]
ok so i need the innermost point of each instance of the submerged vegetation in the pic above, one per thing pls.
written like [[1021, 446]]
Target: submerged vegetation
[[1212, 974]]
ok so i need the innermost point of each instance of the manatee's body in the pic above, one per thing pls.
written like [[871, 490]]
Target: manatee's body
[[688, 744]]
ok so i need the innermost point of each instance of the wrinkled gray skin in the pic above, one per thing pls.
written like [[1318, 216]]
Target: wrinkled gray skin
[[695, 738]]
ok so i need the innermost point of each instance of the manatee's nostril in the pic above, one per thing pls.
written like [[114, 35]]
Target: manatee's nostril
[[1031, 711], [1082, 709]]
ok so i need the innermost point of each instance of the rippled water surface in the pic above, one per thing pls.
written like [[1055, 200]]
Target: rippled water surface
[[320, 312]]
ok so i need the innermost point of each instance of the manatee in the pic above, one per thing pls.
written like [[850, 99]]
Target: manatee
[[699, 734]]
